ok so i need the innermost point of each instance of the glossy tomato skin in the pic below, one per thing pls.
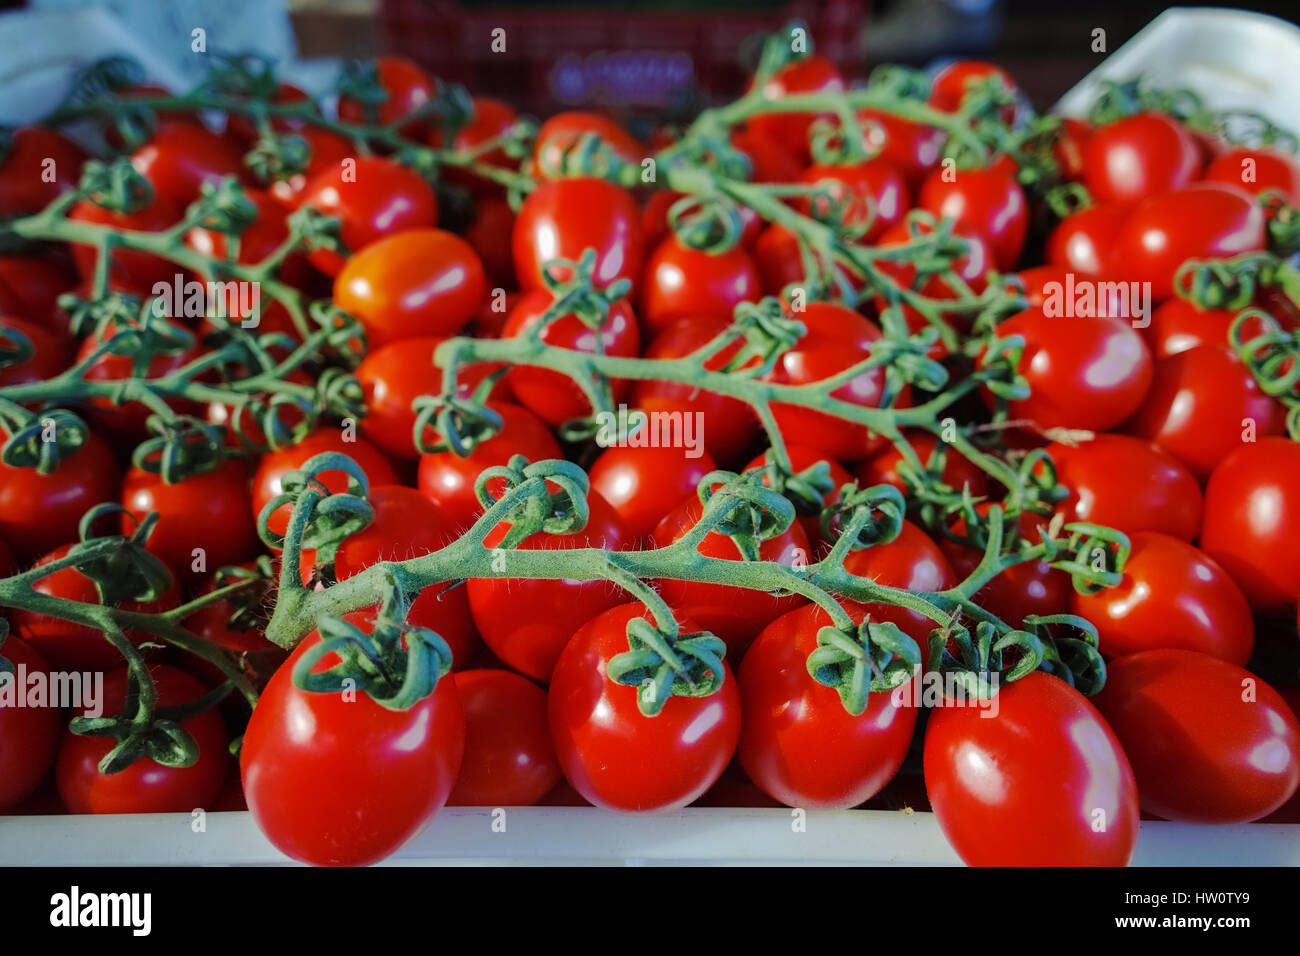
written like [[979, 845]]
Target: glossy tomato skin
[[300, 746], [554, 396], [509, 758], [985, 784], [527, 622], [873, 193], [1129, 484], [798, 743], [372, 199], [684, 283], [811, 74], [181, 158], [1083, 372], [1202, 221], [1252, 521], [28, 735], [1199, 404], [408, 87], [267, 232], [491, 118], [770, 161], [837, 338], [51, 353], [562, 131], [1139, 156], [562, 218], [448, 480], [1257, 170], [40, 512], [953, 84], [327, 151], [1082, 241], [24, 187], [1172, 595], [209, 513], [644, 484], [146, 786], [1209, 742], [615, 756], [988, 203], [1178, 325], [914, 149], [489, 233]]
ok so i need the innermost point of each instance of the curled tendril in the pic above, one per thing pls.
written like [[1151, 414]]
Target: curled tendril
[[711, 223], [982, 662], [116, 186], [318, 231], [1001, 365], [1223, 283], [767, 332], [574, 291], [562, 511], [877, 656], [585, 155], [129, 572], [807, 489], [180, 447], [332, 516], [1096, 556], [461, 423], [751, 511], [869, 516], [664, 665], [92, 316], [1073, 655], [1273, 356], [43, 441]]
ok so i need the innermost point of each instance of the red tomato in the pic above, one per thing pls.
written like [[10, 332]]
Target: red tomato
[[1067, 800], [300, 746], [1252, 521], [327, 151], [554, 396], [732, 613], [561, 219], [28, 733], [914, 149], [32, 157], [1083, 240], [489, 234], [267, 233], [509, 759], [30, 287], [1069, 146], [802, 458], [180, 158], [776, 252], [770, 161], [1209, 741], [1199, 404], [643, 484], [972, 268], [408, 87], [373, 198], [684, 283], [266, 483], [615, 756], [988, 203], [873, 194], [811, 74], [448, 480], [561, 133], [145, 786], [1128, 484], [1204, 221], [138, 268], [1139, 156], [1083, 372], [286, 94], [958, 470], [212, 621], [797, 742], [1172, 595], [416, 283], [836, 338], [50, 352], [40, 512], [527, 622], [129, 421], [1178, 325], [1258, 169], [953, 84], [492, 118]]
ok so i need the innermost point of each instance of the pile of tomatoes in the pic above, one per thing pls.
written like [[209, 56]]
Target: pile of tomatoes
[[1157, 429]]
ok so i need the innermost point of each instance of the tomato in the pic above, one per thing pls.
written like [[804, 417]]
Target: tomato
[[615, 756], [312, 762], [1199, 404], [951, 86], [836, 338], [1083, 240], [180, 158], [1209, 741], [50, 352], [1256, 170], [958, 470], [448, 480], [1083, 372], [373, 198], [1252, 521], [286, 94], [28, 734], [727, 426], [972, 268], [644, 483], [1204, 221], [873, 194], [684, 283], [30, 287], [770, 161], [128, 421], [1068, 799], [1068, 147], [492, 118], [527, 622], [1172, 595], [140, 268], [914, 149], [416, 283], [489, 234], [146, 786], [554, 396], [734, 614], [1178, 325], [267, 480], [802, 458], [509, 759], [41, 512], [266, 234], [1139, 156], [561, 219], [797, 742], [212, 621], [561, 133], [327, 151], [776, 252], [810, 74], [1128, 484], [988, 203], [32, 157], [408, 87]]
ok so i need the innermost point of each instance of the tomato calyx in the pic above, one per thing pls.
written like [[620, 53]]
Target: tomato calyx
[[664, 664], [864, 517], [806, 490], [982, 663], [1273, 357], [1070, 650], [873, 656], [745, 510], [537, 508], [117, 186], [320, 519], [126, 573]]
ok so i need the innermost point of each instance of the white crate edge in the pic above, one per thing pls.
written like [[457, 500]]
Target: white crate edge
[[585, 836]]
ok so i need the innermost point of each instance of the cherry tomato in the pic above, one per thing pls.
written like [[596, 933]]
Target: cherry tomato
[[36, 166], [416, 283], [301, 747], [492, 118], [561, 133], [914, 149], [509, 759], [615, 756], [1252, 521], [28, 734], [30, 287], [139, 268], [951, 86], [1139, 156], [407, 87], [1068, 799], [1256, 170], [644, 483], [988, 203], [958, 470], [266, 234], [1209, 741], [146, 786], [797, 742], [50, 352], [801, 459], [561, 219], [327, 151], [1178, 325], [180, 158], [873, 195], [972, 268], [128, 422], [810, 74], [684, 283], [771, 161], [1083, 240]]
